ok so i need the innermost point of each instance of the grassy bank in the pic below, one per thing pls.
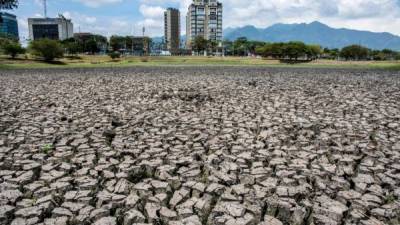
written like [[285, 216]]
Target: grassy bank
[[105, 61]]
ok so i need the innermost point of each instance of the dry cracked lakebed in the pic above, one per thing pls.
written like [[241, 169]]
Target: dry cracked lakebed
[[199, 145]]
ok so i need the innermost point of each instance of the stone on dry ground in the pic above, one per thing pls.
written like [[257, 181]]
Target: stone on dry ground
[[201, 145]]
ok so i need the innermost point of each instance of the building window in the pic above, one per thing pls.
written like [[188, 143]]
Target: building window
[[49, 31]]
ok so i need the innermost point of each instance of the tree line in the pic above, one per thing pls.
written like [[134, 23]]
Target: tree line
[[94, 44], [90, 44], [293, 51], [296, 50], [51, 49]]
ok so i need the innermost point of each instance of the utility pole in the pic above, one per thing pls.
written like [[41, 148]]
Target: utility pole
[[133, 35], [45, 8], [144, 41]]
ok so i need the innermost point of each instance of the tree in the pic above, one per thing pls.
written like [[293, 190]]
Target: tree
[[313, 51], [8, 4], [91, 46], [377, 55], [291, 50], [117, 42], [4, 41], [266, 50], [295, 49], [114, 55], [389, 54], [90, 43], [354, 52], [212, 46], [241, 46], [228, 47], [252, 46], [199, 44], [13, 49], [275, 50], [72, 48], [331, 53], [46, 49], [260, 50]]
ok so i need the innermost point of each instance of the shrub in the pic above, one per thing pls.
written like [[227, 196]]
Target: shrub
[[46, 49], [144, 59], [3, 40], [13, 49], [114, 55]]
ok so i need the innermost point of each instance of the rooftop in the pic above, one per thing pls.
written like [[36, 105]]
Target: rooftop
[[62, 18], [8, 14]]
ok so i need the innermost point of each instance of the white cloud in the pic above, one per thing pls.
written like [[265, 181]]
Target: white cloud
[[98, 3], [67, 15], [151, 11], [90, 19], [80, 19], [374, 15], [152, 27], [23, 30], [153, 19]]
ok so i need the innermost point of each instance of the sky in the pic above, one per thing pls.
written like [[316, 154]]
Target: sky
[[127, 17]]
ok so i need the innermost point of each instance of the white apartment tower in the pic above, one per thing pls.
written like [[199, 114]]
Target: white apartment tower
[[204, 18]]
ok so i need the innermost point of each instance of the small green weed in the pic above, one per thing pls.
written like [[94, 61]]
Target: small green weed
[[47, 148]]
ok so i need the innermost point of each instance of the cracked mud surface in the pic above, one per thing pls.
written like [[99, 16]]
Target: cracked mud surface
[[199, 145]]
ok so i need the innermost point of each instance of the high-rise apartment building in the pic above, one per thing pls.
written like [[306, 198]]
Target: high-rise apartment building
[[172, 29], [52, 28], [204, 18], [8, 25]]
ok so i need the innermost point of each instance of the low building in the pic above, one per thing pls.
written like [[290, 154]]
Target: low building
[[83, 36], [8, 25], [52, 28]]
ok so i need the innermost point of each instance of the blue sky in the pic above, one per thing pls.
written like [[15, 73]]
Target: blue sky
[[109, 17]]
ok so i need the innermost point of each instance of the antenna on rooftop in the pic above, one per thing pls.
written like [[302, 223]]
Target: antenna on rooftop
[[45, 8]]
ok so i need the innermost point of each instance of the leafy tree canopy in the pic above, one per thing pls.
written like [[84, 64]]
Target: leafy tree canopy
[[199, 44], [46, 49], [8, 4], [11, 47]]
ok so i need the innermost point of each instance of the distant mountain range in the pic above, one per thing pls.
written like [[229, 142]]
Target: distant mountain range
[[312, 33], [315, 33]]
